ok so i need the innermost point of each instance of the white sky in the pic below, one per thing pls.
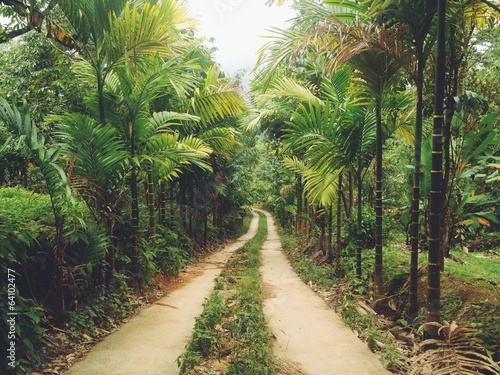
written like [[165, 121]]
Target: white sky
[[237, 27]]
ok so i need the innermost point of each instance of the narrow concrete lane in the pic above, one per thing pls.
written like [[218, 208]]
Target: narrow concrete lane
[[308, 333], [151, 342]]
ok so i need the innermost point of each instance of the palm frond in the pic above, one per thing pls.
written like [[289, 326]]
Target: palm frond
[[320, 187], [173, 154], [217, 99], [459, 353], [222, 140], [289, 88], [376, 71], [97, 151], [336, 87], [167, 119], [151, 29], [20, 124]]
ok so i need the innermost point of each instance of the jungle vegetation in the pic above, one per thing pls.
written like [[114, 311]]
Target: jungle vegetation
[[125, 151]]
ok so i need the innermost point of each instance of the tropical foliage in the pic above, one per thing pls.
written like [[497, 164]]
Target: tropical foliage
[[125, 150], [147, 107]]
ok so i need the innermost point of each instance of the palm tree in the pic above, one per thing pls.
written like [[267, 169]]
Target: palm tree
[[99, 165], [140, 135], [333, 141], [218, 103], [129, 54], [434, 287], [351, 44], [113, 33], [377, 71]]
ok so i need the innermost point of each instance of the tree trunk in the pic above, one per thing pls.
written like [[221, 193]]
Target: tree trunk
[[163, 204], [58, 280], [135, 228], [338, 265], [171, 208], [379, 268], [183, 202], [151, 205], [359, 237], [330, 232], [352, 183], [434, 273], [415, 202], [325, 250], [134, 214], [205, 230], [298, 218]]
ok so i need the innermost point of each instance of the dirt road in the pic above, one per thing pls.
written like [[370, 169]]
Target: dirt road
[[309, 335], [151, 342], [310, 338]]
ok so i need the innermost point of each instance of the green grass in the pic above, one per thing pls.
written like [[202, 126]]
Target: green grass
[[232, 327], [477, 265]]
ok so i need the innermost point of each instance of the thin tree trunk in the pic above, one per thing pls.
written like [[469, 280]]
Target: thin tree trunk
[[434, 273], [111, 256], [352, 183], [163, 204], [330, 232], [338, 250], [205, 230], [454, 78], [379, 267], [190, 209], [135, 228], [299, 205], [359, 237], [135, 213], [415, 203], [58, 279], [100, 98], [151, 205], [171, 209], [323, 223], [183, 202]]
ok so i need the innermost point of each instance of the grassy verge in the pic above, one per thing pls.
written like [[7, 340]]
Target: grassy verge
[[231, 336]]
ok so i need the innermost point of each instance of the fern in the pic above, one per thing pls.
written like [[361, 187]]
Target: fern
[[458, 353]]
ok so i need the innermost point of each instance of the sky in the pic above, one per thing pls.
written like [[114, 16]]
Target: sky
[[237, 27]]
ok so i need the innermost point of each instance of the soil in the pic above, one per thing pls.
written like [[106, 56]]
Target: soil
[[309, 338]]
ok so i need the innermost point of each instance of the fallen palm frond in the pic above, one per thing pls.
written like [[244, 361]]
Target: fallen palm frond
[[458, 353]]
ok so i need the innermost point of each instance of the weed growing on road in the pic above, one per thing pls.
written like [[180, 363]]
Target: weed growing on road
[[231, 336]]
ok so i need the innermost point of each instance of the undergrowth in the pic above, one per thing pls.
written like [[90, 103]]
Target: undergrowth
[[469, 295], [231, 336]]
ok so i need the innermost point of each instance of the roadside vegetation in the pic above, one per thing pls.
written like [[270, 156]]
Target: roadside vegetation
[[470, 299]]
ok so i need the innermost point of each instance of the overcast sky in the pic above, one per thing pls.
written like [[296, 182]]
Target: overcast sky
[[237, 27]]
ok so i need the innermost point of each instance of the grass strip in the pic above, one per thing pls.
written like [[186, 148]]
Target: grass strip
[[231, 336]]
